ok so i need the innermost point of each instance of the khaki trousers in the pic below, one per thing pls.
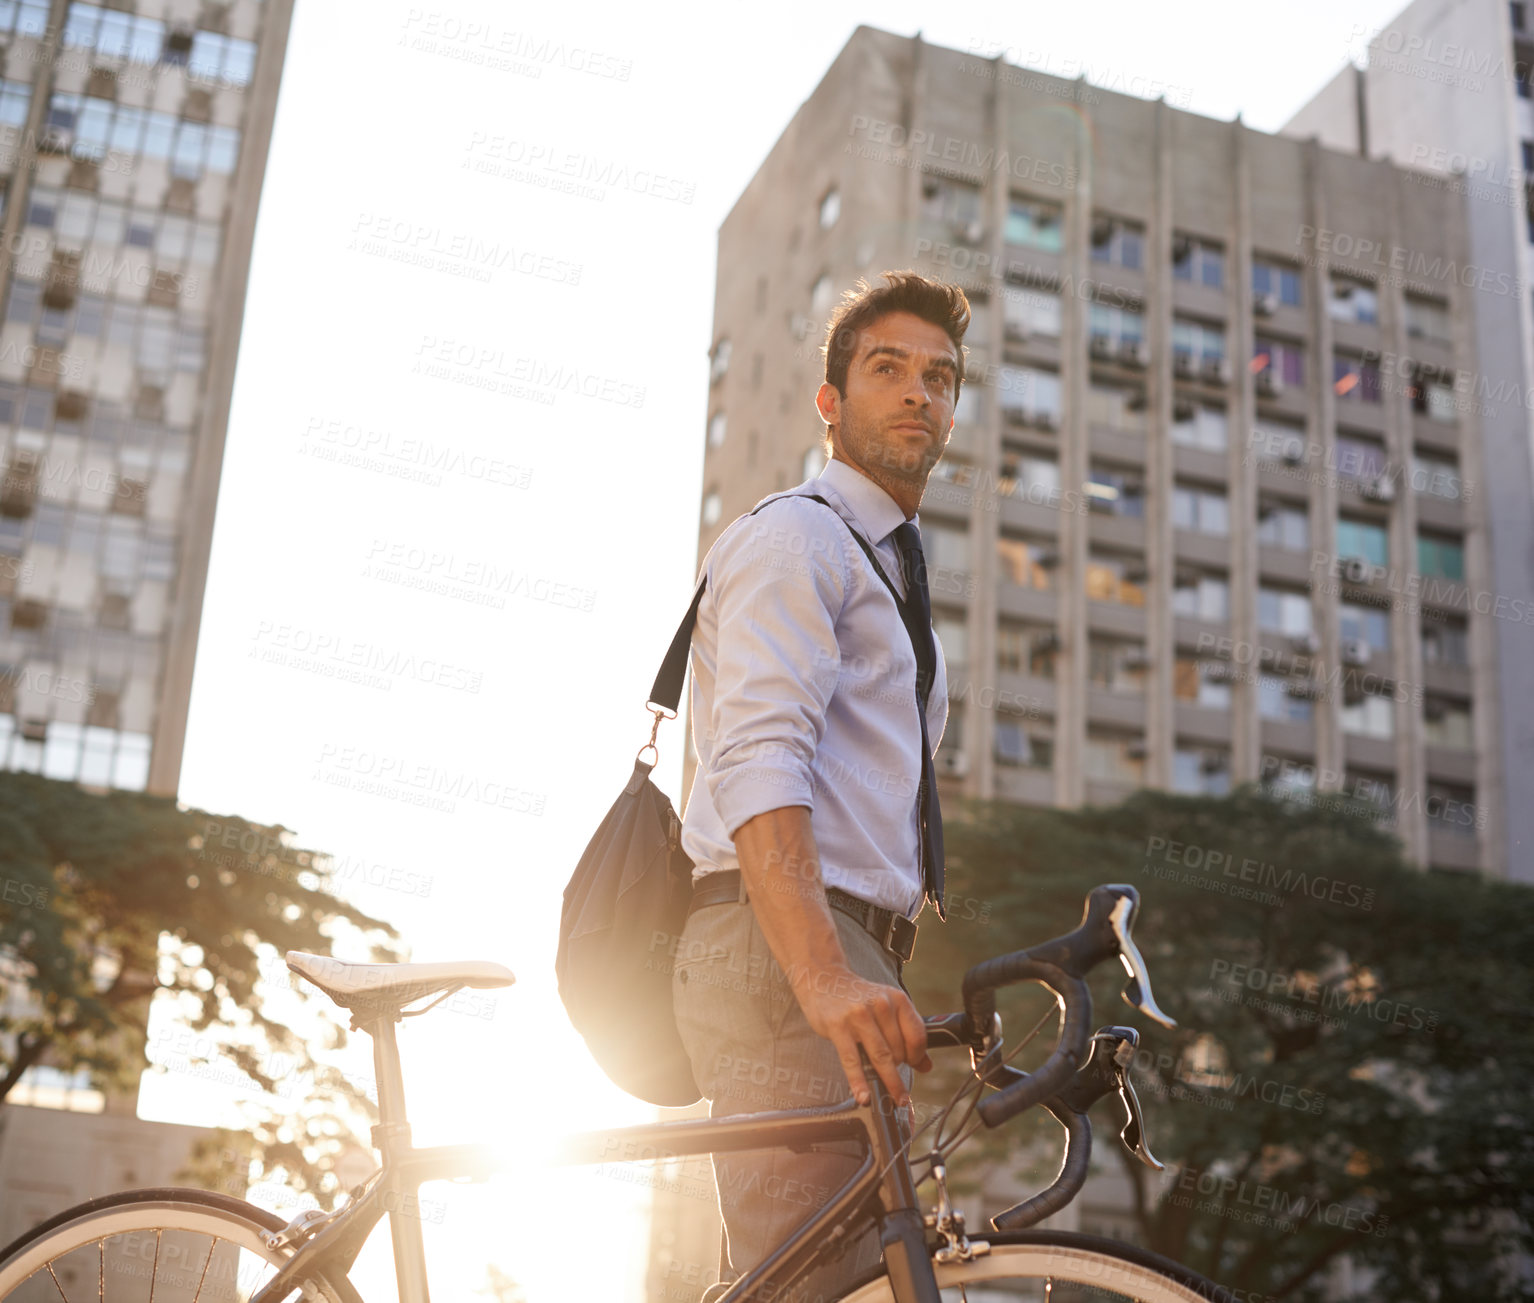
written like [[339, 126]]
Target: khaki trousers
[[752, 1050]]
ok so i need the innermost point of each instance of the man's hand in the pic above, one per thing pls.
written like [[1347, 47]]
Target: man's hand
[[849, 1011], [782, 872]]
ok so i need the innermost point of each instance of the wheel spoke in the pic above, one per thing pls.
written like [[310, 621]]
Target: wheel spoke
[[207, 1262], [154, 1270], [56, 1284]]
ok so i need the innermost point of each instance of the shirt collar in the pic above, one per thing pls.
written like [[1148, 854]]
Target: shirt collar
[[876, 511]]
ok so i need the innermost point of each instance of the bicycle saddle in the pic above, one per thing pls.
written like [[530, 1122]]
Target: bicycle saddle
[[389, 986]]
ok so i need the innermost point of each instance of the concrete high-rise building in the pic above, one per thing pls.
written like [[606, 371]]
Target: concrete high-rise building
[[1449, 89], [1217, 507], [133, 143]]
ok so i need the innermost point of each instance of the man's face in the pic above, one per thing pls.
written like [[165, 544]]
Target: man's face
[[898, 413]]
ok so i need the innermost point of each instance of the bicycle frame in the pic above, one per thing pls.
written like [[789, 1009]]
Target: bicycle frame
[[881, 1193]]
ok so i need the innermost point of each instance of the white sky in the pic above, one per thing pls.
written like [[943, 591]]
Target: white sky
[[375, 126]]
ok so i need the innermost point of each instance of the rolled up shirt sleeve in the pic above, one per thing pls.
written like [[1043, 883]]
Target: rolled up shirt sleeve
[[778, 585]]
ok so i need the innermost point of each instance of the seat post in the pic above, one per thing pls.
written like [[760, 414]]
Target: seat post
[[393, 1130]]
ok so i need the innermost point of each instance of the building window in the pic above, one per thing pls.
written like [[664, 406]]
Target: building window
[[1204, 511], [1034, 479], [1196, 341], [1115, 665], [1200, 771], [1280, 442], [953, 635], [1366, 624], [1446, 642], [1118, 493], [1354, 379], [1369, 716], [1451, 808], [713, 505], [1026, 649], [1115, 326], [1440, 557], [719, 364], [1028, 563], [1030, 312], [954, 204], [1200, 596], [1283, 526], [1274, 700], [716, 429], [1352, 300], [1117, 579], [1282, 777], [1029, 396], [1117, 407], [1200, 261], [1428, 319], [1446, 723], [1436, 474], [1034, 225], [1275, 282], [822, 292], [1282, 363], [1281, 611], [814, 462], [1360, 459], [1019, 745], [1119, 243], [1432, 398], [1364, 539], [830, 208], [945, 549], [967, 410], [1199, 425], [1107, 758], [1200, 682]]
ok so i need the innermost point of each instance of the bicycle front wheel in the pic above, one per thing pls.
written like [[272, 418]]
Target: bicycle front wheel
[[174, 1246], [1059, 1267]]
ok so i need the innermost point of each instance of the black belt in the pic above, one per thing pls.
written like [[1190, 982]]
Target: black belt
[[895, 932]]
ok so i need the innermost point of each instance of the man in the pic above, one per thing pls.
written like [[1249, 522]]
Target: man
[[816, 700]]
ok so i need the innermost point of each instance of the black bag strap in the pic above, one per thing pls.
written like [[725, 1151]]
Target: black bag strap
[[667, 690]]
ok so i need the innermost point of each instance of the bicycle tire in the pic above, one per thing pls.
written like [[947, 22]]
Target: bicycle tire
[[1065, 1267], [148, 1226]]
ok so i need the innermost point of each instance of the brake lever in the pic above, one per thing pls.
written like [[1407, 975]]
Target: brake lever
[[1113, 1051], [1137, 992]]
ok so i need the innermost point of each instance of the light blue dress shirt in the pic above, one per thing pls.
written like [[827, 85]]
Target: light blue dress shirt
[[804, 690]]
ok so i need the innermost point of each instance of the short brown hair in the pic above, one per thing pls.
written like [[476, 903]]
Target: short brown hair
[[936, 301]]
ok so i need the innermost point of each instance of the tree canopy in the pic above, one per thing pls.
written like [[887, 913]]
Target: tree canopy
[[109, 901], [1349, 1078]]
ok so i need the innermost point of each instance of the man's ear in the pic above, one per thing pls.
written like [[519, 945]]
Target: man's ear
[[828, 403]]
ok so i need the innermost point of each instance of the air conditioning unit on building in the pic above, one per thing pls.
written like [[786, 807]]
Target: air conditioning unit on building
[[1132, 352], [1356, 570], [1309, 643], [952, 764], [1355, 651], [1184, 365], [1101, 346], [1216, 371], [1265, 305], [1268, 383], [1380, 489]]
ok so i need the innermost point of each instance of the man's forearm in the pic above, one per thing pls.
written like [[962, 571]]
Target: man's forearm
[[781, 866]]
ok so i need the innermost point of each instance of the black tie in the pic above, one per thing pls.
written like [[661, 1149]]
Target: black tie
[[916, 611]]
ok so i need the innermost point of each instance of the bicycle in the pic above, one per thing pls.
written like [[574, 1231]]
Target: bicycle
[[253, 1256]]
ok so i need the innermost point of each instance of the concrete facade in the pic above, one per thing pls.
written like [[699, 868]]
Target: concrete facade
[[1142, 530], [133, 143], [1447, 88]]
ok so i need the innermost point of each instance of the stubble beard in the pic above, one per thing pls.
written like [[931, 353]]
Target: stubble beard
[[884, 460]]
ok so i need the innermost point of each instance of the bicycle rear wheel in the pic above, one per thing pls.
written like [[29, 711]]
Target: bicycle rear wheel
[[175, 1246], [1059, 1267]]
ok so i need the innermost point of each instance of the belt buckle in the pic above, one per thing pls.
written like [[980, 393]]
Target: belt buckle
[[885, 936]]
